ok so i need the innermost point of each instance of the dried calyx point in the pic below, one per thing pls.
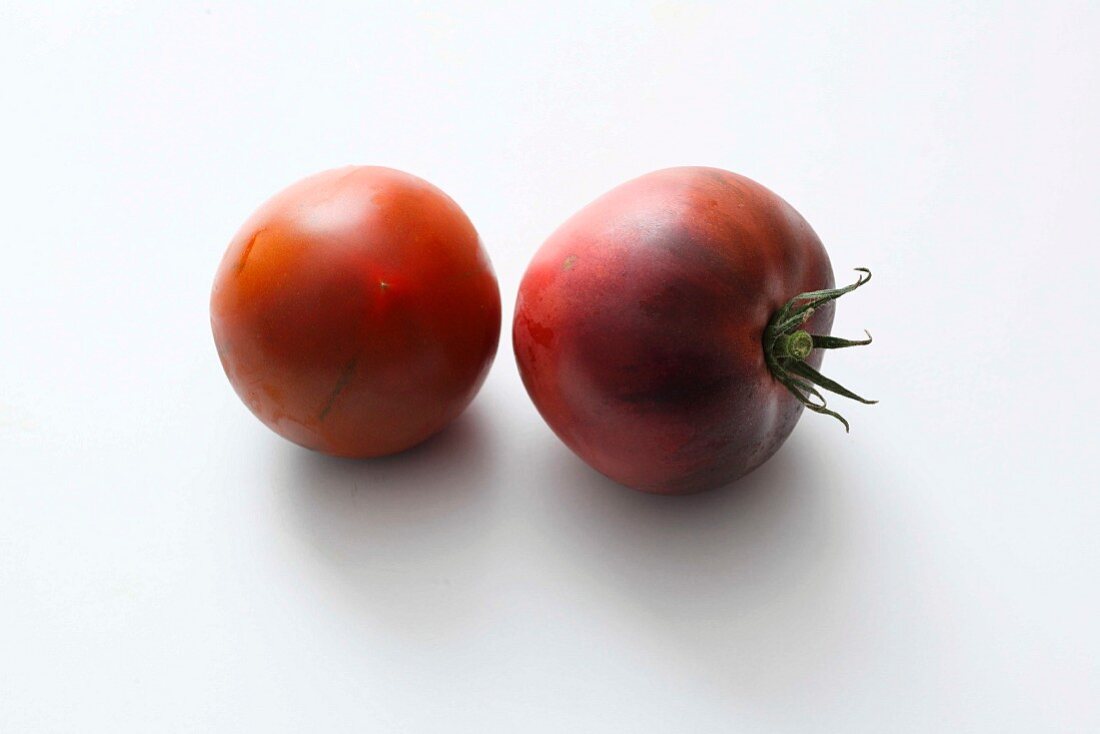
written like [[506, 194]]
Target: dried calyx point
[[787, 345]]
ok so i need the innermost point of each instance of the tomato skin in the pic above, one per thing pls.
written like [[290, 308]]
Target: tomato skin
[[639, 323], [356, 312]]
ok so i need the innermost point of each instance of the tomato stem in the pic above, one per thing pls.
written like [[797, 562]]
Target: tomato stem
[[787, 346], [796, 345]]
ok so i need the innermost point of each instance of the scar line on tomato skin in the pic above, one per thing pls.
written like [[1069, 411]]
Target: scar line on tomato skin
[[341, 383], [248, 250]]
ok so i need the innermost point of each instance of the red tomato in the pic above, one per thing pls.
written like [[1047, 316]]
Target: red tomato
[[640, 329], [356, 312]]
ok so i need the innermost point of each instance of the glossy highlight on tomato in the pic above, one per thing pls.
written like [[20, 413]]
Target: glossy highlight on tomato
[[645, 328], [356, 312]]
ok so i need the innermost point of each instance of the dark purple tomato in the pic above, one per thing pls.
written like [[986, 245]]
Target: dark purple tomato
[[661, 332]]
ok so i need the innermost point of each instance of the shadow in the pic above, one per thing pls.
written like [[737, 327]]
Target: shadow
[[733, 584], [676, 543], [402, 537]]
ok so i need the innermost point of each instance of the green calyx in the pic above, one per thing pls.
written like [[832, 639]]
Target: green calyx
[[787, 345]]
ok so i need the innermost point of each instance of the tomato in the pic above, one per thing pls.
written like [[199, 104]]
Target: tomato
[[356, 312], [661, 333]]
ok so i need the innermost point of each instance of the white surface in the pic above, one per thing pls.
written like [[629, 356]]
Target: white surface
[[167, 564]]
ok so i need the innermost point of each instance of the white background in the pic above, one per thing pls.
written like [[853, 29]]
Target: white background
[[167, 564]]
